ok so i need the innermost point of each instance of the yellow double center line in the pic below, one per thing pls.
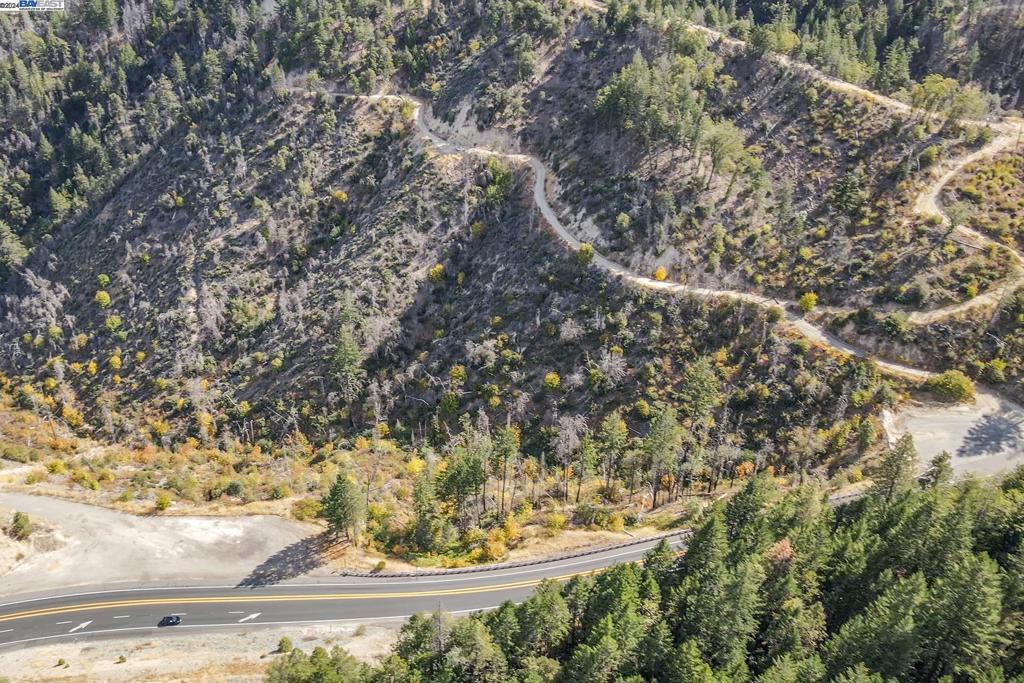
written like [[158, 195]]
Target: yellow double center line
[[28, 614]]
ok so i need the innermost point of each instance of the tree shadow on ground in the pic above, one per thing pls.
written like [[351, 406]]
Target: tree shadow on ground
[[293, 561], [997, 433]]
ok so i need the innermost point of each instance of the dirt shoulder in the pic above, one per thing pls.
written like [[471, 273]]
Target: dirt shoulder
[[230, 656]]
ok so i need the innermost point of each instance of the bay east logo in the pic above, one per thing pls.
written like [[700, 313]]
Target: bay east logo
[[32, 5]]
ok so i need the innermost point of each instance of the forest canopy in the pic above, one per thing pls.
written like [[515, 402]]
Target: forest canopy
[[918, 581]]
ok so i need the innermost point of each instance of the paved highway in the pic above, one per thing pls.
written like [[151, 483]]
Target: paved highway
[[136, 611]]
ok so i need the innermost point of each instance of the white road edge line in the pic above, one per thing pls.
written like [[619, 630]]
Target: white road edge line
[[496, 572], [371, 620]]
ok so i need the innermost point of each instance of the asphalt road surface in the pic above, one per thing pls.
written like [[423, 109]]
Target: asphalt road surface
[[123, 612]]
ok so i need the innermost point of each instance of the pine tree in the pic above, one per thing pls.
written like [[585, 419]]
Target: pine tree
[[788, 669], [962, 633], [429, 526], [471, 655], [347, 364], [886, 636], [617, 597], [686, 665], [706, 553], [12, 251], [660, 561], [343, 507], [463, 478], [503, 623], [60, 205], [700, 390], [177, 72], [940, 471], [859, 674], [45, 149], [164, 9], [100, 14], [506, 458], [544, 621], [1013, 608], [660, 446], [788, 625], [895, 71], [656, 652], [213, 73], [746, 523], [612, 439], [598, 659], [716, 607], [896, 471]]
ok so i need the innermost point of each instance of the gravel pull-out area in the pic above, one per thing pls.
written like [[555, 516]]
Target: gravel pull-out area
[[984, 438], [104, 546]]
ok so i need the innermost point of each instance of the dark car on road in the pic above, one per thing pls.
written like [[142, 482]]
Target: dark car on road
[[171, 620]]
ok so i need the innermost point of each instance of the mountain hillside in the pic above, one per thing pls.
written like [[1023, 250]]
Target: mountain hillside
[[457, 282], [257, 242]]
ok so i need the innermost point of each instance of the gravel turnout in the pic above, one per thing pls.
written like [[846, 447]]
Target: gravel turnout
[[105, 546]]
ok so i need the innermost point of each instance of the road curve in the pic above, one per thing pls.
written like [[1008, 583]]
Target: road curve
[[130, 612]]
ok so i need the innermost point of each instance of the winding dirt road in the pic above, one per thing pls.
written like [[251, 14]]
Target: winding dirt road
[[1008, 416], [929, 203], [1010, 131], [555, 225], [985, 438]]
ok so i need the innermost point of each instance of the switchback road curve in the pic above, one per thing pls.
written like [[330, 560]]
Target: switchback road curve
[[111, 612]]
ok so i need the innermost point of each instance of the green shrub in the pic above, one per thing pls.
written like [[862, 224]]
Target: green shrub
[[930, 155], [585, 254], [163, 501], [951, 385], [307, 508], [807, 302], [284, 646], [555, 521], [18, 453], [20, 528]]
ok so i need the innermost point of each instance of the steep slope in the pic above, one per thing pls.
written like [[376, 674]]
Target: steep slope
[[270, 260], [723, 167]]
